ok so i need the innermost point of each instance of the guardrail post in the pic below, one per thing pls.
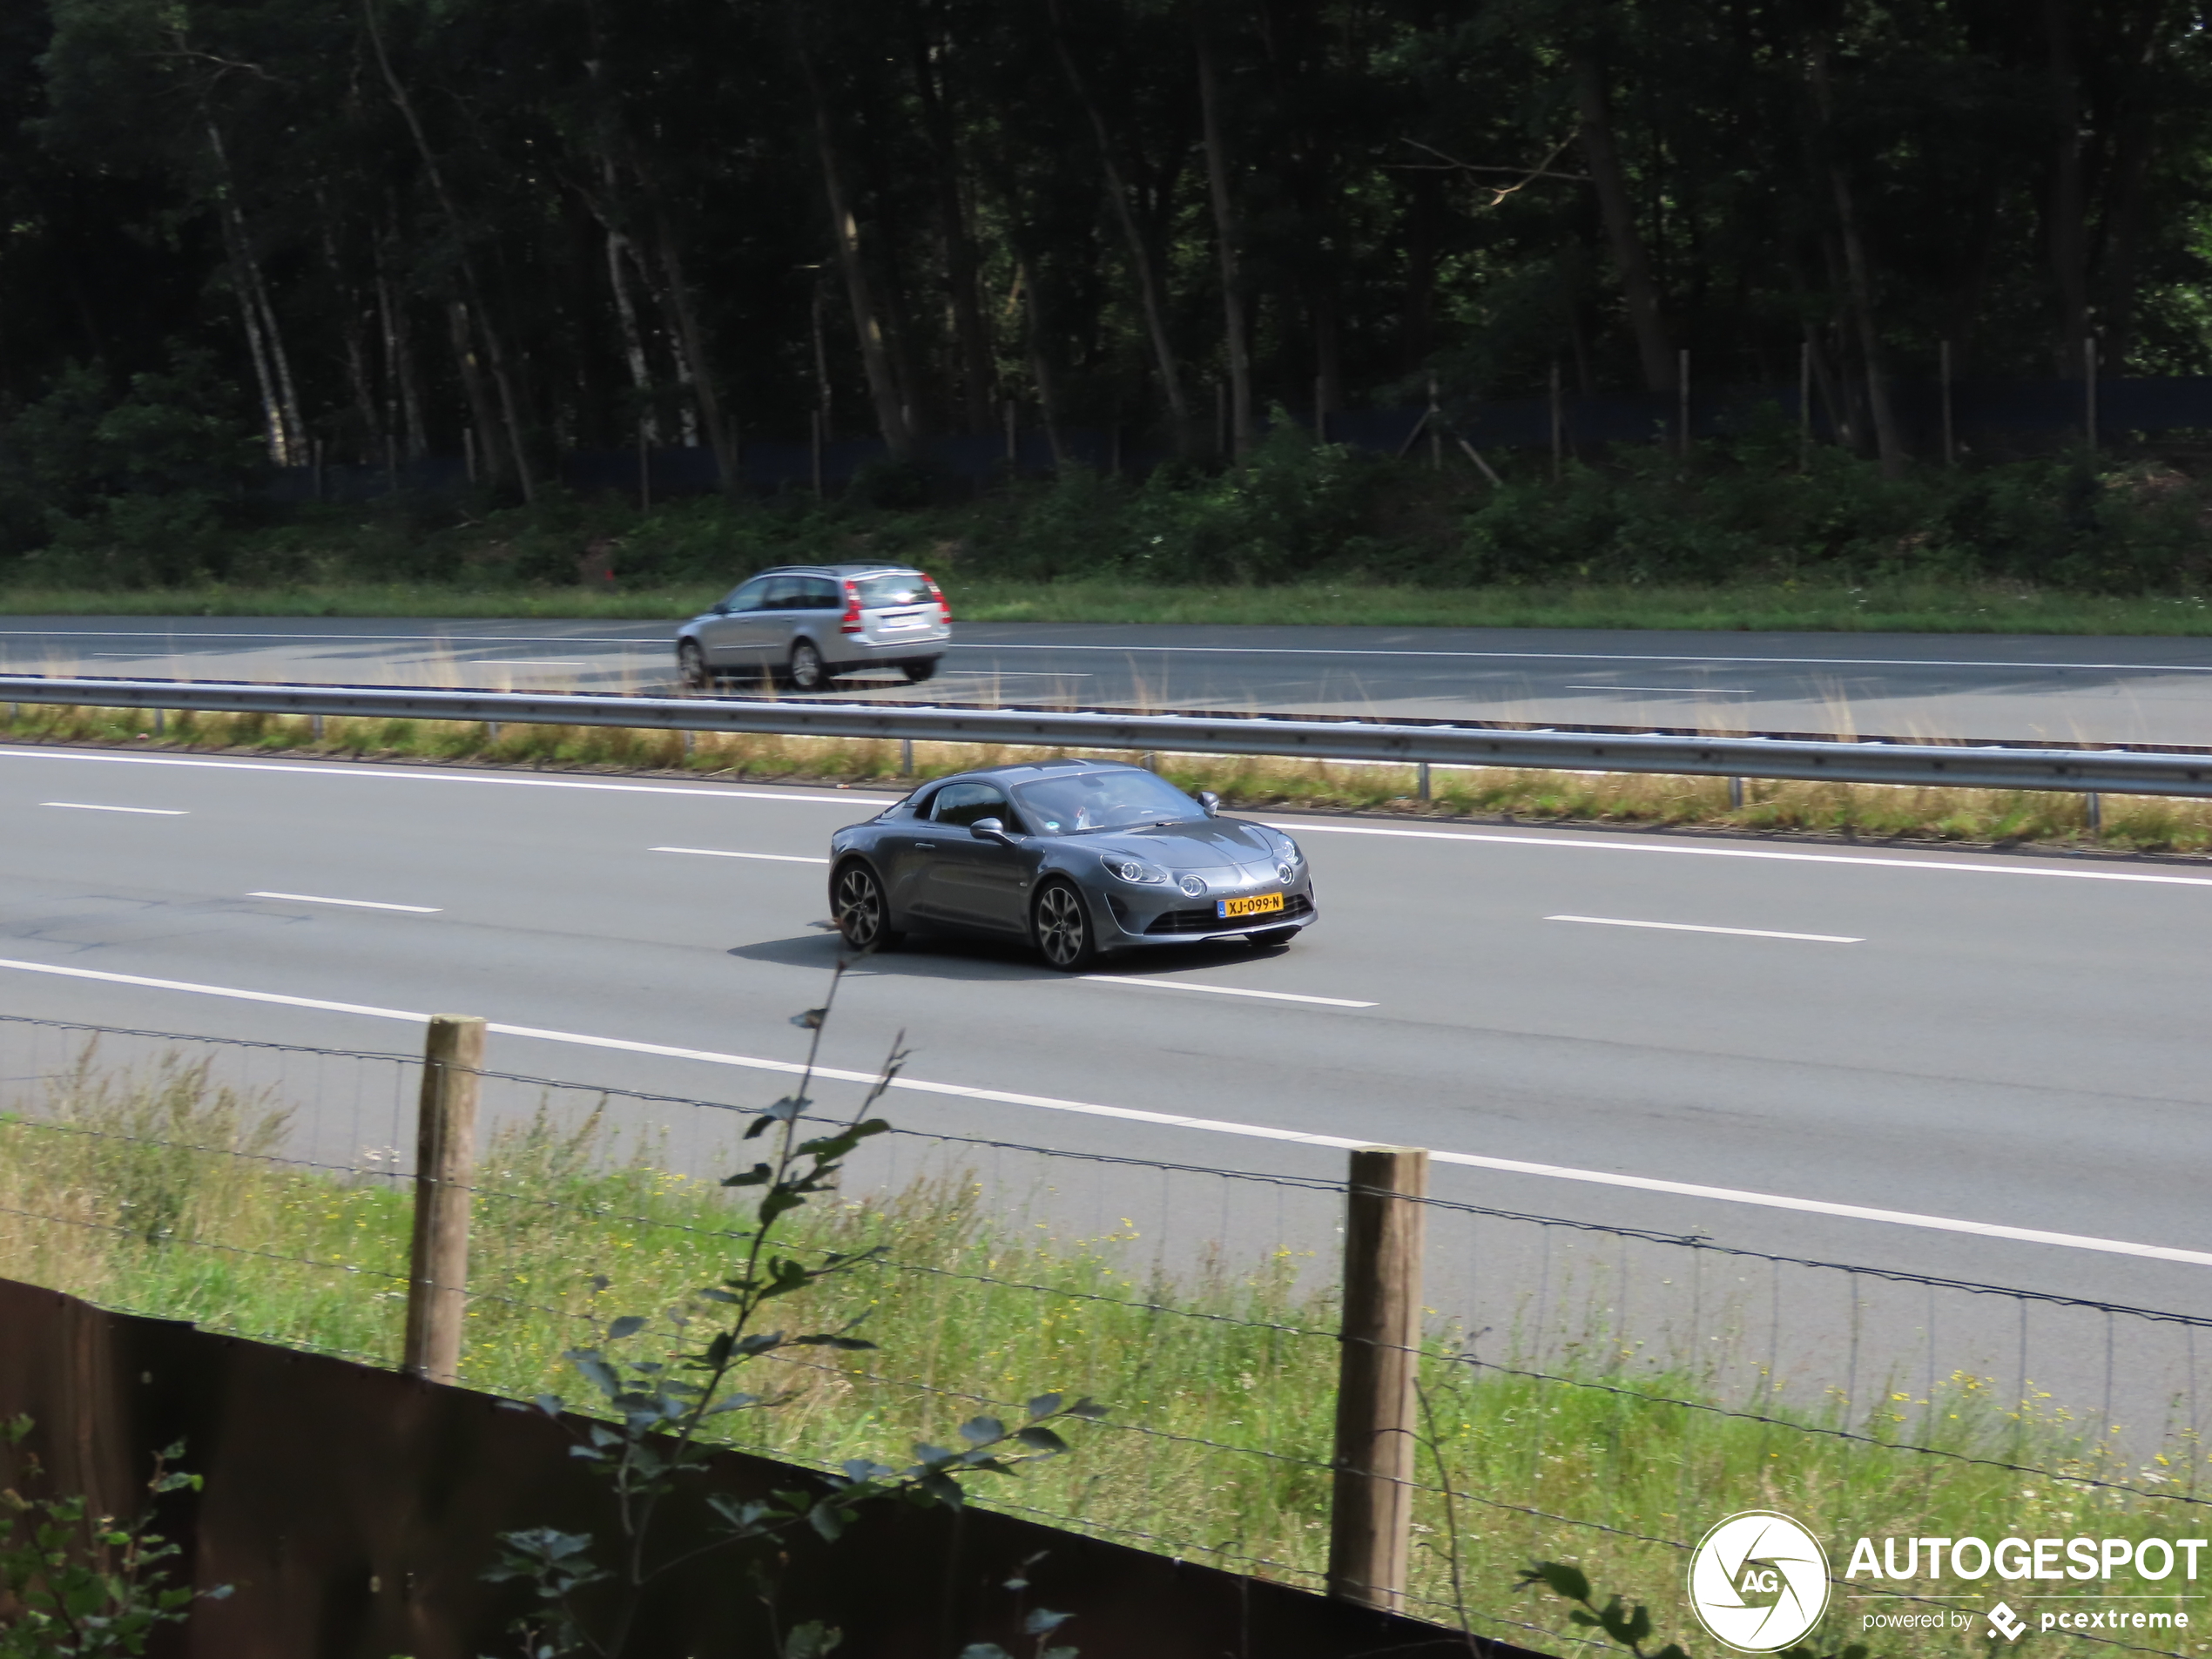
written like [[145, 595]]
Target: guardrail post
[[1736, 795], [2096, 810], [1422, 782], [445, 1167], [1371, 1510]]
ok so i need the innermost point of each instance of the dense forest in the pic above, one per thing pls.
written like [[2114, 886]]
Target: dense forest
[[245, 232]]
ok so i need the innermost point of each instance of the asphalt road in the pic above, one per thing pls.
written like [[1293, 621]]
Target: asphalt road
[[2094, 690], [1859, 1057]]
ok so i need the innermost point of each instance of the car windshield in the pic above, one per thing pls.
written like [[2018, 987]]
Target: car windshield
[[1103, 801], [906, 588]]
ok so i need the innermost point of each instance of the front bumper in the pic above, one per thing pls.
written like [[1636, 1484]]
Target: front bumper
[[1138, 918]]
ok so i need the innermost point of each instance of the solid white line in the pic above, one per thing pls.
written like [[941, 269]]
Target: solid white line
[[1948, 865], [1169, 1120], [713, 853], [522, 662], [1602, 657], [1221, 990], [218, 633], [351, 904], [149, 811], [435, 775], [1692, 690], [1692, 927]]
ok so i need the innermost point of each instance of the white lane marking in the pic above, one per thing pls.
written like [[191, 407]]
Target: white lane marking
[[1950, 866], [1599, 656], [148, 812], [1689, 691], [1170, 1120], [1221, 990], [716, 853], [433, 775], [523, 662], [1692, 927], [351, 904]]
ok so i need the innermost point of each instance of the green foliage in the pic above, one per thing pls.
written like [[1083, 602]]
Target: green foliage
[[143, 485], [588, 1601], [1631, 1627], [77, 1585]]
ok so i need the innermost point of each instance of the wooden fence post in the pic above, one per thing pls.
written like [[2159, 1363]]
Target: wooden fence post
[[445, 1168], [1371, 1512]]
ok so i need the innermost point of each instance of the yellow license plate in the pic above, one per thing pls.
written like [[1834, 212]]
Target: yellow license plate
[[1258, 904]]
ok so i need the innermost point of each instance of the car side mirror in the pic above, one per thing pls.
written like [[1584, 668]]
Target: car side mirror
[[990, 829], [1211, 801]]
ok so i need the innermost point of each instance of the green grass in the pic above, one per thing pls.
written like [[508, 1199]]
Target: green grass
[[1864, 811], [160, 1191], [1819, 606]]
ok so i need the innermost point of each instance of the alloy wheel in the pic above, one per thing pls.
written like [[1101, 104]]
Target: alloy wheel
[[1064, 931], [806, 672], [860, 907], [691, 667]]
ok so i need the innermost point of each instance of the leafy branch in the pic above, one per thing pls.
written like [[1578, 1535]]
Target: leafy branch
[[589, 1595]]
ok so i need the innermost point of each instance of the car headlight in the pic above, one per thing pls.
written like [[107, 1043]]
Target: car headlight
[[1134, 870], [1287, 850]]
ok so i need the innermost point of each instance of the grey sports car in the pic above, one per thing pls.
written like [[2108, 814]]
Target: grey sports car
[[1078, 857]]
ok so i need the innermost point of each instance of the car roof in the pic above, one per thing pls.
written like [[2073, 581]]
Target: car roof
[[1025, 770], [877, 568]]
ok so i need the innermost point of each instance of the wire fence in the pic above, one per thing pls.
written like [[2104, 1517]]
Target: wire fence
[[1593, 1393]]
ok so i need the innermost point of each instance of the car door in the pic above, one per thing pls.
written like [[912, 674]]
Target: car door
[[815, 608], [962, 879], [721, 635]]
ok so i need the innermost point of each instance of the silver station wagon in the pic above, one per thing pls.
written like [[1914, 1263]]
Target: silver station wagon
[[802, 625]]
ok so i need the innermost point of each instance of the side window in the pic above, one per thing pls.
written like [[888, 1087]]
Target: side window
[[747, 595], [963, 804], [818, 593], [783, 593]]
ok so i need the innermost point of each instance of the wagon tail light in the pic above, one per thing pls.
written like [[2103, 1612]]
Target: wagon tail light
[[850, 623], [944, 610]]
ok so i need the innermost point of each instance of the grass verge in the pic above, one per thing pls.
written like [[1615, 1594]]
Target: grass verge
[[1919, 606], [156, 1189], [1870, 811]]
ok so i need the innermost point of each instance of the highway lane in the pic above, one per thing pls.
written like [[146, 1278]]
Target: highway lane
[[2013, 1042], [2130, 690]]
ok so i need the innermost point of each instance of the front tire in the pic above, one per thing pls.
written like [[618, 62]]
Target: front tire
[[862, 914], [692, 671], [1062, 928], [917, 672], [807, 671]]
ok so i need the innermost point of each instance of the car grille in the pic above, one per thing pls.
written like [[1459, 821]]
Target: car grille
[[1204, 921]]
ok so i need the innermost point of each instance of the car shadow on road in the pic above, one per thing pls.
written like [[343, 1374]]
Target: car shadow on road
[[944, 956]]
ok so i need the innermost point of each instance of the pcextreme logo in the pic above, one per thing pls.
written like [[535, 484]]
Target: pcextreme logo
[[1759, 1581]]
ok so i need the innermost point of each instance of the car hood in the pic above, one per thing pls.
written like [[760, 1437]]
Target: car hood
[[1199, 844]]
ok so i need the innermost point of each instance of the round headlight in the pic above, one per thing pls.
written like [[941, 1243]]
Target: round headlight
[[1195, 885], [1283, 871], [1131, 871]]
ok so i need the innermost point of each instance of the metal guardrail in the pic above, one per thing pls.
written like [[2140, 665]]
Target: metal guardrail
[[1883, 760]]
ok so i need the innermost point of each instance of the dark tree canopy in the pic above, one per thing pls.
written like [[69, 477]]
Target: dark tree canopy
[[400, 226]]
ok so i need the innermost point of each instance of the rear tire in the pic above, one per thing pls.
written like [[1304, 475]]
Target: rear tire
[[692, 671], [917, 672], [806, 672], [863, 915], [1062, 928]]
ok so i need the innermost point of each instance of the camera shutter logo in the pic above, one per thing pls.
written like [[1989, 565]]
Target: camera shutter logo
[[1759, 1581]]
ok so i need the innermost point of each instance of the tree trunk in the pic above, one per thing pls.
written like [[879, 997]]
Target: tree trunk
[[491, 442], [2066, 222], [272, 370], [972, 340], [1148, 284], [1889, 441], [692, 366], [1637, 288], [633, 341], [1232, 288], [509, 400], [876, 361]]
